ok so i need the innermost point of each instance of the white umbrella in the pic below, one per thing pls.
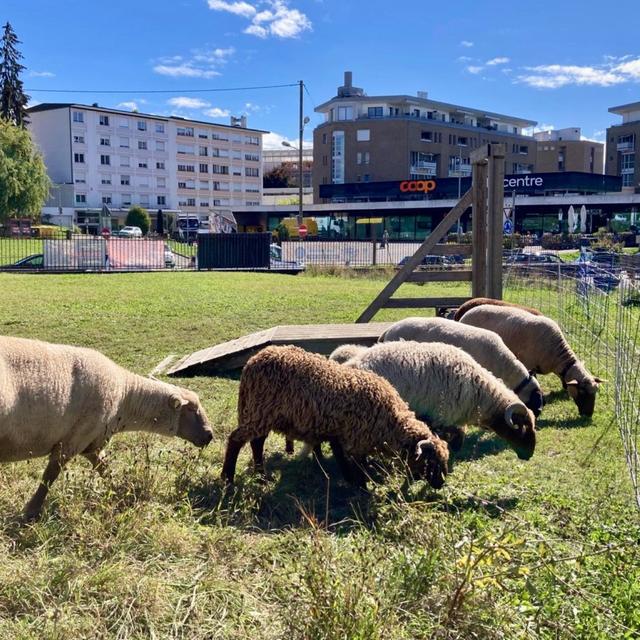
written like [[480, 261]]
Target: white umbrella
[[583, 219], [571, 219]]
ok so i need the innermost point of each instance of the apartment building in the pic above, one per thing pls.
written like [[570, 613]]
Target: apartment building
[[401, 137], [564, 150], [289, 158], [623, 146], [122, 158]]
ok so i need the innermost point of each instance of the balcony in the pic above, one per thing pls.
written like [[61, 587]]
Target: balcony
[[425, 167], [625, 146], [463, 171]]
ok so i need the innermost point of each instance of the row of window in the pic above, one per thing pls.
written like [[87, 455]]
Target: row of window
[[123, 123], [124, 143], [125, 161], [190, 132], [126, 199]]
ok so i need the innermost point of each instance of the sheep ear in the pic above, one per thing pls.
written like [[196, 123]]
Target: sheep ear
[[177, 402], [599, 380], [572, 383]]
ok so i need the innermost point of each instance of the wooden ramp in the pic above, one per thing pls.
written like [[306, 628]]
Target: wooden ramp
[[319, 338]]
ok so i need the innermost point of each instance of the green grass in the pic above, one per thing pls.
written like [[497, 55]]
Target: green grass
[[508, 549]]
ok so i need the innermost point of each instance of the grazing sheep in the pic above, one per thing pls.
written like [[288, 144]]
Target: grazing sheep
[[449, 388], [345, 352], [60, 401], [485, 347], [307, 397], [538, 343], [476, 302]]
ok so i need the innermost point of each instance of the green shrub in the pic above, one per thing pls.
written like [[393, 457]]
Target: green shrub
[[139, 217]]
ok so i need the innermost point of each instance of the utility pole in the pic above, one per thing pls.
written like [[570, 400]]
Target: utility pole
[[300, 142]]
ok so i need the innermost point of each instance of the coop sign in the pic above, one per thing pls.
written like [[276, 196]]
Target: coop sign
[[523, 181], [424, 186]]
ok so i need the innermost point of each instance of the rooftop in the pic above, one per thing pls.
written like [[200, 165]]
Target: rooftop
[[625, 108]]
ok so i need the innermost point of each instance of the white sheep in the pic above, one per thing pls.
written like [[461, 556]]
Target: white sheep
[[61, 401], [447, 387], [484, 346], [539, 344]]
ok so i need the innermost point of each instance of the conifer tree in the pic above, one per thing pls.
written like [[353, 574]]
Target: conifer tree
[[13, 101]]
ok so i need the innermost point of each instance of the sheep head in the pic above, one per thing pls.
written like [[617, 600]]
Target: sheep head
[[582, 388], [193, 424], [429, 460], [517, 425]]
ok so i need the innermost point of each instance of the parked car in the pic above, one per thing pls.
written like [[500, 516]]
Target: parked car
[[539, 257], [169, 258], [35, 261], [430, 261], [130, 232], [602, 258], [276, 261]]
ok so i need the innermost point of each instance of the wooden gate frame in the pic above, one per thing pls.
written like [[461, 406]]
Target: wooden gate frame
[[486, 197]]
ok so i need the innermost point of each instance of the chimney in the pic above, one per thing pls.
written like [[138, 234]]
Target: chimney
[[347, 90], [423, 94], [348, 79]]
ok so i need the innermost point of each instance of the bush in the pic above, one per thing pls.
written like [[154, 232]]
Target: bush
[[139, 217]]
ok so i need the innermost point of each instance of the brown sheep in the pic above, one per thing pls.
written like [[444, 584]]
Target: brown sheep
[[307, 397], [476, 302]]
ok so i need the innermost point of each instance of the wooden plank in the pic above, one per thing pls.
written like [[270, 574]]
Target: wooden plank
[[451, 250], [458, 275], [411, 264], [347, 331], [495, 225], [479, 220], [423, 303]]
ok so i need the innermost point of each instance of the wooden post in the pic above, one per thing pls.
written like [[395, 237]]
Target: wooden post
[[479, 220], [497, 154]]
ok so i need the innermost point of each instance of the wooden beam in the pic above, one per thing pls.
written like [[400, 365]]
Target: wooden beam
[[425, 248], [424, 303], [495, 224], [459, 275], [479, 222], [451, 250]]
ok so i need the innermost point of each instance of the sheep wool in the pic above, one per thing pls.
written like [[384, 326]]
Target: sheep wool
[[476, 302], [485, 347], [307, 397], [60, 401], [450, 389], [539, 344]]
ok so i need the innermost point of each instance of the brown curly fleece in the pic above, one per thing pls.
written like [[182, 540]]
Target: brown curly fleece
[[307, 397]]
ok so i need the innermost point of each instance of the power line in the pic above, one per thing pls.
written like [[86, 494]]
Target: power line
[[149, 91]]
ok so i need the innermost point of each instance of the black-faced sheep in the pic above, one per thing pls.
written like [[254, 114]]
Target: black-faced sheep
[[485, 347], [307, 397], [447, 387], [539, 344], [60, 401], [476, 302]]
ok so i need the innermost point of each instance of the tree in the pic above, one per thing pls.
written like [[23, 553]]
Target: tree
[[278, 177], [138, 217], [24, 184], [13, 101]]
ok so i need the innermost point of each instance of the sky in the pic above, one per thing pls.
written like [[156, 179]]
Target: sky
[[561, 63]]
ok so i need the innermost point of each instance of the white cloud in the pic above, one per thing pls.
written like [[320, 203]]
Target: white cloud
[[184, 102], [274, 141], [631, 68], [475, 69], [41, 74], [132, 105], [496, 61], [466, 43], [184, 71], [201, 64], [238, 8], [278, 19], [216, 112]]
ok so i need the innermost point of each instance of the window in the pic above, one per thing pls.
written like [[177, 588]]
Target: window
[[78, 116], [186, 149], [81, 198], [627, 179], [252, 172], [142, 145], [123, 123], [126, 199], [144, 199], [374, 112], [186, 167], [105, 160], [202, 151], [159, 165], [204, 184], [105, 180], [324, 138], [219, 168], [159, 127], [324, 161], [161, 183], [363, 135], [125, 180], [124, 143], [124, 161], [185, 131], [366, 177], [78, 139], [219, 136], [252, 140], [191, 202], [337, 157], [363, 157], [627, 162], [463, 141], [143, 165], [204, 203], [80, 178], [252, 157], [204, 168], [142, 125], [161, 200], [426, 136], [104, 121], [105, 142], [221, 186], [78, 157], [236, 155], [345, 113], [106, 199], [204, 136]]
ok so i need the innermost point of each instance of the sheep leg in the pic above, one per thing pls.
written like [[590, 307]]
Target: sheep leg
[[98, 461], [57, 460], [257, 447], [288, 446], [235, 442], [351, 472]]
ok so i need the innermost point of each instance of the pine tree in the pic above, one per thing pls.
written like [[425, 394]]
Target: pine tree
[[13, 101]]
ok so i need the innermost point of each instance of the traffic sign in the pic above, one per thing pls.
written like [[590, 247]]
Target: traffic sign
[[508, 227], [302, 230]]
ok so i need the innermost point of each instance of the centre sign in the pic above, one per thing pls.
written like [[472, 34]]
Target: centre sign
[[511, 182]]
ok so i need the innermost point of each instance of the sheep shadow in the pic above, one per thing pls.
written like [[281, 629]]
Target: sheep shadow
[[492, 506], [576, 422], [477, 444], [557, 395]]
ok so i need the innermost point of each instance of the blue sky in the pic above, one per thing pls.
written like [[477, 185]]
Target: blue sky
[[560, 63]]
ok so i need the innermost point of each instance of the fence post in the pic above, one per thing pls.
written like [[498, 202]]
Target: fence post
[[479, 221], [497, 154]]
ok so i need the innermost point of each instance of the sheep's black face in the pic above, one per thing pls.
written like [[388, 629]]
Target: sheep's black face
[[193, 424], [535, 402], [430, 461], [517, 427], [584, 395]]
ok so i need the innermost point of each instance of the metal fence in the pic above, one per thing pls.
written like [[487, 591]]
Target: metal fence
[[599, 311]]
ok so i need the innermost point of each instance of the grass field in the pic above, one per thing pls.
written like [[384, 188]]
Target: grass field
[[547, 548]]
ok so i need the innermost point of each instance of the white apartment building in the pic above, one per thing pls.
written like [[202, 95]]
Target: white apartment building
[[97, 156]]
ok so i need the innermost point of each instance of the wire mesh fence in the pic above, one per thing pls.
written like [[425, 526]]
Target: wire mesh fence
[[599, 312]]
